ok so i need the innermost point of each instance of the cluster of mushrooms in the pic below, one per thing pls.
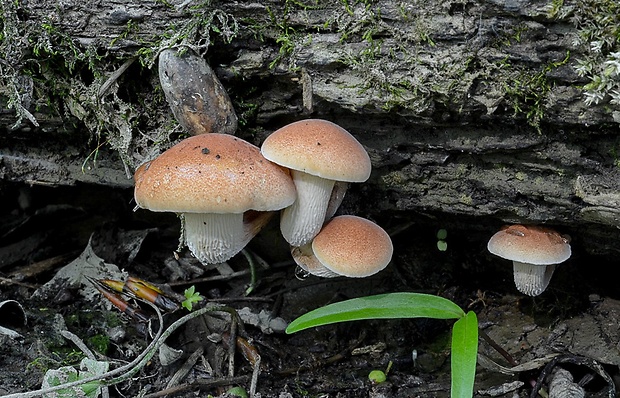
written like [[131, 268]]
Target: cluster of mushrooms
[[226, 189]]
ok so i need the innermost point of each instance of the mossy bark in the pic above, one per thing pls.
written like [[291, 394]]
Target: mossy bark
[[466, 108]]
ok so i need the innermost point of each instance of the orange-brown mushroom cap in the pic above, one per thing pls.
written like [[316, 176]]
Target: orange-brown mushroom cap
[[353, 246], [530, 244], [213, 179], [318, 147], [535, 251], [213, 173]]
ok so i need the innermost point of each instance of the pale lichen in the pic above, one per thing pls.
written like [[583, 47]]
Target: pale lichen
[[598, 28]]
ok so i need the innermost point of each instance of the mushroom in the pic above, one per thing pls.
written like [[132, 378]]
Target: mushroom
[[320, 154], [214, 181], [534, 251], [347, 245]]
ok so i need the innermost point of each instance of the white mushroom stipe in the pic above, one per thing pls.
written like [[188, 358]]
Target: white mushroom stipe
[[214, 238], [304, 257], [336, 198], [303, 220], [532, 279]]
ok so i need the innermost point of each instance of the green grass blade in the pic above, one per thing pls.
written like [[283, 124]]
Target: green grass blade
[[464, 355], [382, 306]]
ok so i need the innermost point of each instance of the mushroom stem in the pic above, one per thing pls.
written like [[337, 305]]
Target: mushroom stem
[[301, 221], [305, 258], [336, 198], [532, 279], [215, 238], [254, 221]]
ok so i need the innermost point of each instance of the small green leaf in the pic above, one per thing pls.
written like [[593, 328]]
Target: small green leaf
[[191, 297], [442, 245], [237, 392], [382, 306], [377, 376], [464, 355]]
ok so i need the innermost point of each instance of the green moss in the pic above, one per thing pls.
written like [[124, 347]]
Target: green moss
[[285, 39], [39, 61], [131, 27], [87, 87], [99, 342], [403, 66], [278, 28], [614, 151], [598, 36], [57, 357], [526, 90]]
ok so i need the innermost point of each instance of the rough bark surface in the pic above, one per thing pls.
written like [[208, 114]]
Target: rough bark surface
[[466, 108]]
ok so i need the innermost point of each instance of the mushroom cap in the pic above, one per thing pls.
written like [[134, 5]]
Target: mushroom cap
[[213, 173], [530, 244], [353, 246], [320, 148]]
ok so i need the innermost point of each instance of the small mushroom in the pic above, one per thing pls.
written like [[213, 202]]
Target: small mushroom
[[347, 245], [535, 252], [223, 187], [320, 154]]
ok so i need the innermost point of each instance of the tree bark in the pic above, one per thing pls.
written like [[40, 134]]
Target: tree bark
[[466, 108]]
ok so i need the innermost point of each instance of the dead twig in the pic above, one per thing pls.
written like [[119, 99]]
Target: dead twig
[[211, 278], [497, 348], [201, 384], [114, 77], [255, 374], [184, 370], [232, 346], [8, 281], [29, 271], [235, 299]]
